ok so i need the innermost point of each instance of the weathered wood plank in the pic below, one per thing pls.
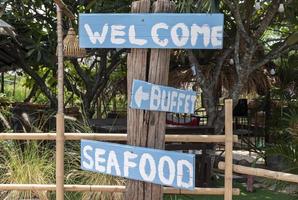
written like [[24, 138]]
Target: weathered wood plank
[[174, 169], [159, 30], [228, 149], [146, 128], [136, 69], [158, 74], [110, 189], [113, 137], [281, 176]]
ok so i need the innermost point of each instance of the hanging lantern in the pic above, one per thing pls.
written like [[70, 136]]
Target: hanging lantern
[[71, 46], [281, 8]]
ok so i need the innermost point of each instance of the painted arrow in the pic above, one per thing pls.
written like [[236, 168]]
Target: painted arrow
[[140, 95]]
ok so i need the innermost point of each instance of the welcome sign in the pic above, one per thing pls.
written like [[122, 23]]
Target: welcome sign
[[162, 30], [148, 96], [143, 164]]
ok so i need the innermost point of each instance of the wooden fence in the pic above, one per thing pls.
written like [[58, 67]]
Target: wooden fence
[[60, 136], [228, 139]]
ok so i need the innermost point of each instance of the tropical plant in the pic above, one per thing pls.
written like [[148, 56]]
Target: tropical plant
[[291, 118], [255, 37], [34, 163], [74, 175], [34, 51]]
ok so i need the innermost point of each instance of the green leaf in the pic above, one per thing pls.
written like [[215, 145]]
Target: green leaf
[[29, 53], [292, 39]]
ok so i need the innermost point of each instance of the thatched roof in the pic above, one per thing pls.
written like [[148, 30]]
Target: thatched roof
[[6, 29], [7, 47], [7, 55], [259, 81]]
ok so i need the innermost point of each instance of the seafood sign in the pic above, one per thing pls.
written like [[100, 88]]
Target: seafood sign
[[160, 30], [144, 164], [148, 96]]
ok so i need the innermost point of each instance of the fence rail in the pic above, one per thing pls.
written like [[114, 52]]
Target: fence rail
[[60, 187], [281, 176], [110, 189], [113, 137]]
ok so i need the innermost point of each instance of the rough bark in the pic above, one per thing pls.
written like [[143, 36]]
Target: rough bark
[[146, 128]]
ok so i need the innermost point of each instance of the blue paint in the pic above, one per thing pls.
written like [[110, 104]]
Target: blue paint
[[148, 96], [160, 30], [150, 165]]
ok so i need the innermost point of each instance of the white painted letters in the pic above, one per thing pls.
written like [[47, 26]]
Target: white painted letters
[[155, 97], [96, 35], [196, 30], [216, 35], [180, 174], [186, 104], [193, 101], [155, 36], [127, 163], [138, 163], [142, 167], [113, 162], [99, 159], [133, 39], [174, 100], [158, 30], [171, 170], [165, 100], [116, 32], [182, 41], [180, 100], [88, 157]]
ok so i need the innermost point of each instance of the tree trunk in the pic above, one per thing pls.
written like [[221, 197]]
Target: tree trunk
[[146, 128], [32, 93], [87, 108], [2, 82]]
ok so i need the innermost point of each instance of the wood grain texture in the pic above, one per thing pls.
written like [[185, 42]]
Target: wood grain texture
[[136, 124], [281, 176], [146, 128], [229, 149], [144, 30], [60, 116], [113, 137], [158, 74]]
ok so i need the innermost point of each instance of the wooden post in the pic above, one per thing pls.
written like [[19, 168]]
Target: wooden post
[[147, 128], [228, 149], [60, 115], [136, 123]]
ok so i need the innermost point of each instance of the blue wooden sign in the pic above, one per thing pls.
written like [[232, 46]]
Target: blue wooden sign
[[148, 96], [144, 164], [162, 30]]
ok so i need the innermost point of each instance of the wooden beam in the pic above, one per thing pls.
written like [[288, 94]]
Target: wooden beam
[[112, 137], [228, 149], [60, 126], [281, 176], [65, 10], [137, 120], [109, 189]]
